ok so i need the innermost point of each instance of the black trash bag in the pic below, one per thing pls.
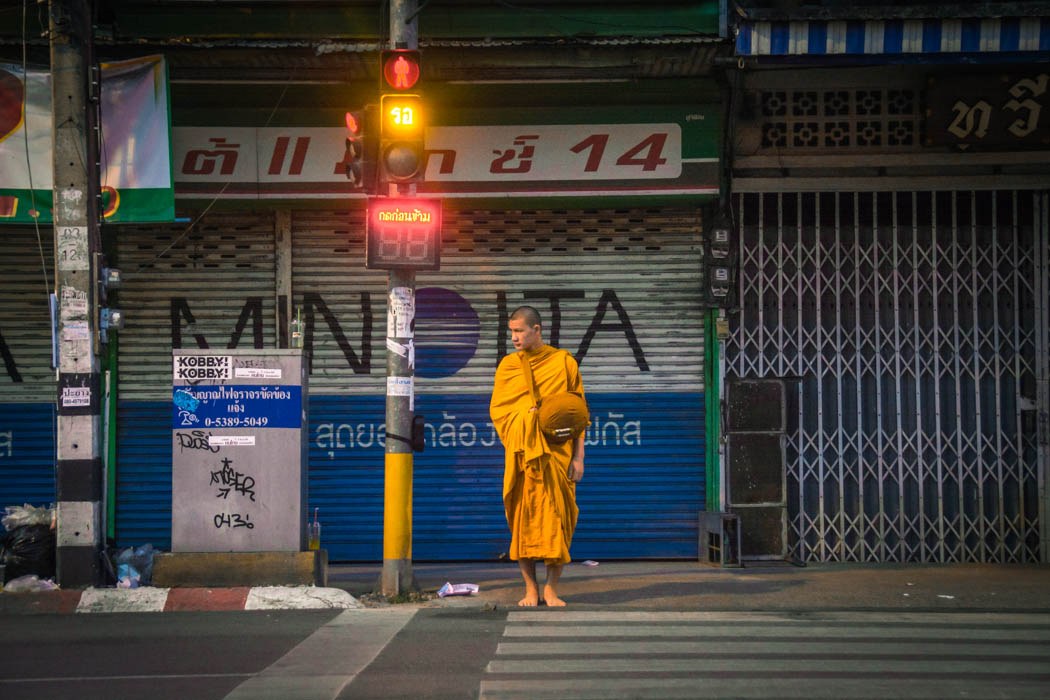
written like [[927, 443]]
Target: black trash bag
[[28, 549]]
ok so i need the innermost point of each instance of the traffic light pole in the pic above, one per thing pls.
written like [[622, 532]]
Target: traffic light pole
[[397, 500], [397, 574]]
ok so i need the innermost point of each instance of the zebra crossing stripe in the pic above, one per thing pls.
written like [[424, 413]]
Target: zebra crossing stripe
[[750, 688], [968, 618], [795, 631], [1033, 652], [769, 655], [748, 664]]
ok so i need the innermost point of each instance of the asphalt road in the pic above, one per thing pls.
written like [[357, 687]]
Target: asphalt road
[[162, 656], [402, 652]]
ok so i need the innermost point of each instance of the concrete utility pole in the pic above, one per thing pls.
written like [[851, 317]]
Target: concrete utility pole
[[77, 245], [397, 574]]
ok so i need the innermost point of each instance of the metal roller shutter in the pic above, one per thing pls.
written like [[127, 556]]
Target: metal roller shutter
[[618, 288], [209, 285], [27, 382]]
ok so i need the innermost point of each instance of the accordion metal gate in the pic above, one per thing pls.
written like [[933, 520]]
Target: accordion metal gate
[[915, 323]]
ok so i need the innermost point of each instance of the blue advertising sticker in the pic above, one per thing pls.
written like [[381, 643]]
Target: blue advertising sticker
[[227, 406]]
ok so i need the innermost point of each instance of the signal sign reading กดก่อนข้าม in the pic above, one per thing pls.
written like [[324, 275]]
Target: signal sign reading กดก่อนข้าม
[[403, 234]]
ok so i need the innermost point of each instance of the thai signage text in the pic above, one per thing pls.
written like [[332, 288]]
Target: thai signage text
[[995, 111]]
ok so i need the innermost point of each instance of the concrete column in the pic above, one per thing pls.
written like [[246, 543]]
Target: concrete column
[[77, 244]]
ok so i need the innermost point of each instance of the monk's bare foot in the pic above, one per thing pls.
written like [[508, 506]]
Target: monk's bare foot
[[531, 599], [551, 598]]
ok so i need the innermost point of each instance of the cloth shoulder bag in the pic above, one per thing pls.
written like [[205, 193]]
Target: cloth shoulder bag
[[562, 416]]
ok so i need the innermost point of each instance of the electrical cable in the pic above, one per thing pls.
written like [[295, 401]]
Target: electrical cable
[[408, 20], [200, 216], [33, 213]]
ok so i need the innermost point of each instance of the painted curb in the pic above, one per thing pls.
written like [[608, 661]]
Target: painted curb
[[299, 598], [155, 599], [121, 600]]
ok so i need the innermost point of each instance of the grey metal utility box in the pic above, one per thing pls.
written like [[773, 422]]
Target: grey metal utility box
[[720, 539], [238, 442]]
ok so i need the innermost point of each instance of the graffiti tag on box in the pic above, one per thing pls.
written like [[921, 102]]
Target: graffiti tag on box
[[227, 481]]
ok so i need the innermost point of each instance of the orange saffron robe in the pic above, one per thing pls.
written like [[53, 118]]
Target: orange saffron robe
[[538, 496]]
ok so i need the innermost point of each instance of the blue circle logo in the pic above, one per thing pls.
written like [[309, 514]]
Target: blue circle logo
[[447, 332]]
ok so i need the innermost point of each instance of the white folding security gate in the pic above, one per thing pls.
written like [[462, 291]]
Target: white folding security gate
[[915, 324]]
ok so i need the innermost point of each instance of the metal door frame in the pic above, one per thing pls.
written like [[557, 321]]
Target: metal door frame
[[1042, 244]]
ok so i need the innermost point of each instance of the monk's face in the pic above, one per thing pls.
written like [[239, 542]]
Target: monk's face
[[525, 337]]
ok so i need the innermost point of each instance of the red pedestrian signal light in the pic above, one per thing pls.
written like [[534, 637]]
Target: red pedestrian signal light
[[400, 69], [353, 123], [359, 158]]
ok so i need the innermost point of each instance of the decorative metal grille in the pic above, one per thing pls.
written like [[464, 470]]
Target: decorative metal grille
[[836, 118], [910, 320]]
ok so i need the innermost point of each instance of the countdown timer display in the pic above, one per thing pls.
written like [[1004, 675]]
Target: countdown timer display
[[403, 233]]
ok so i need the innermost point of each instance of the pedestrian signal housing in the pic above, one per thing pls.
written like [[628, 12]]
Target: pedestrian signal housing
[[401, 148], [359, 157]]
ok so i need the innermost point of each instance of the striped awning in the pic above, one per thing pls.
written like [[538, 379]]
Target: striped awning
[[920, 36]]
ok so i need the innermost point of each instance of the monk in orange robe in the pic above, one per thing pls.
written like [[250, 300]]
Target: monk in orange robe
[[539, 478]]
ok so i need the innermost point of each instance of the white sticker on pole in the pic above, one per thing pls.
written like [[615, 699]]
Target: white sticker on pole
[[71, 245], [76, 330], [231, 441], [407, 351], [401, 313], [75, 396], [402, 386], [74, 303]]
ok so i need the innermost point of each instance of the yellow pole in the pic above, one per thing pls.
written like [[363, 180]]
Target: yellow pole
[[397, 509]]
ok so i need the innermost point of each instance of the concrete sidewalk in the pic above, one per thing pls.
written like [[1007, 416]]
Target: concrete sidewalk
[[642, 585], [685, 585]]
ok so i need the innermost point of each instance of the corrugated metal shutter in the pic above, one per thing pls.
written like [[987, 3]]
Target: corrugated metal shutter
[[209, 285], [627, 303], [27, 382], [27, 454]]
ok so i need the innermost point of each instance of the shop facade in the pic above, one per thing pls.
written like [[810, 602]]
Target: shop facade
[[890, 198], [609, 249], [577, 161]]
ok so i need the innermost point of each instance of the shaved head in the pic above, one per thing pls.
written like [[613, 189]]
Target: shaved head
[[524, 326], [528, 314]]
